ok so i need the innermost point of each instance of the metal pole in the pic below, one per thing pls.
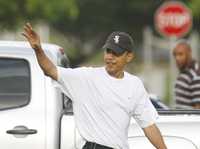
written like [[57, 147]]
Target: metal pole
[[147, 55], [172, 70], [194, 41]]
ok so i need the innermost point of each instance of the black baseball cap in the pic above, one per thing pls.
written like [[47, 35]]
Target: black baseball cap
[[119, 42]]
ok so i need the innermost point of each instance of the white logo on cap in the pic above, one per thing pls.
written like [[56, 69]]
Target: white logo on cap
[[116, 38]]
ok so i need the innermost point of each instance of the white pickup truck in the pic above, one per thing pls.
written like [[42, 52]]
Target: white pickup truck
[[34, 114]]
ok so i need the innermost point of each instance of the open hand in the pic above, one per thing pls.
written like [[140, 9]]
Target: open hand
[[32, 37]]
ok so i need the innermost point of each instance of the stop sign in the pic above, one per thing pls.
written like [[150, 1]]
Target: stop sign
[[173, 19]]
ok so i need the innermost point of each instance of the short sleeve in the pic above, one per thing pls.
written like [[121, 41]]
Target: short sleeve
[[144, 112], [71, 80], [195, 89]]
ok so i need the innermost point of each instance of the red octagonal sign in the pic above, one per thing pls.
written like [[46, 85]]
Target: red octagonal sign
[[173, 19]]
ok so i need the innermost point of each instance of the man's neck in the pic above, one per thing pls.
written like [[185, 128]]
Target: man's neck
[[189, 64], [118, 75]]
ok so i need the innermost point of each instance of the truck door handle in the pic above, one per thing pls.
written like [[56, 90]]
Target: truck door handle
[[21, 130]]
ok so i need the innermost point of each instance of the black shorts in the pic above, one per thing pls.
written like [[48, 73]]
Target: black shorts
[[92, 145]]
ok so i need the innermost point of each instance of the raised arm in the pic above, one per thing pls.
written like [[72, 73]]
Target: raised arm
[[45, 63], [153, 134]]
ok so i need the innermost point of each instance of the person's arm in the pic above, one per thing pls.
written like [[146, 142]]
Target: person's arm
[[195, 92], [45, 63], [154, 136]]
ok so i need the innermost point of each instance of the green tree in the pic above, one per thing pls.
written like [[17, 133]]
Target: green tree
[[13, 12], [87, 21], [195, 6]]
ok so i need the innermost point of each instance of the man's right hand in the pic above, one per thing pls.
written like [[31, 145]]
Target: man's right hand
[[45, 63], [32, 37]]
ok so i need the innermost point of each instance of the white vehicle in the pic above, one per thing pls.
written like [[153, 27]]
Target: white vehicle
[[34, 114]]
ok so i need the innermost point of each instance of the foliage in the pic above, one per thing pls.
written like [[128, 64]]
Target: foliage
[[13, 12], [86, 20], [195, 7]]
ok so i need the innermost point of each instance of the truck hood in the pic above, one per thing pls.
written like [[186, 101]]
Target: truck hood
[[179, 131], [171, 141]]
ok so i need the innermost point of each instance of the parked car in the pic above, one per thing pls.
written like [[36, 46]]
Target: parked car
[[33, 115], [158, 104]]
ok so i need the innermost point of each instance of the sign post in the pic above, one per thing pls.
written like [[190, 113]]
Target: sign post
[[173, 20]]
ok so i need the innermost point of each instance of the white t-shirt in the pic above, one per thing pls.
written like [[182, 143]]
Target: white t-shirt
[[103, 105]]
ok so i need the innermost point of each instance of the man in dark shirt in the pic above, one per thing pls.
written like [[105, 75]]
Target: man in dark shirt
[[187, 87]]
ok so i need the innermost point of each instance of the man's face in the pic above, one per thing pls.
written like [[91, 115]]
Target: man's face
[[115, 62], [182, 55]]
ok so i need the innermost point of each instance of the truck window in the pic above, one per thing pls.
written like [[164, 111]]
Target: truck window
[[64, 61], [67, 102], [68, 108], [14, 83]]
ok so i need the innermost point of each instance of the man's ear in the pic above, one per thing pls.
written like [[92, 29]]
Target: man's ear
[[130, 57]]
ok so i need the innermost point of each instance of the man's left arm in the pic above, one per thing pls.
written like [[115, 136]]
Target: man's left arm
[[195, 90], [154, 136]]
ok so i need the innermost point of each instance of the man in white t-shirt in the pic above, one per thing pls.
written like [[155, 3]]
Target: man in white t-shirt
[[104, 98]]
